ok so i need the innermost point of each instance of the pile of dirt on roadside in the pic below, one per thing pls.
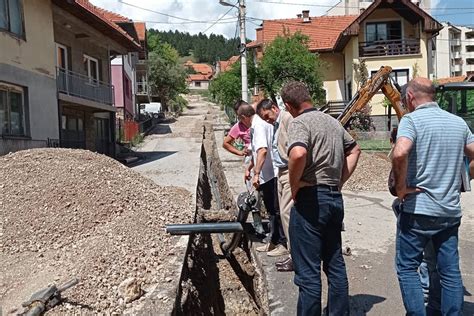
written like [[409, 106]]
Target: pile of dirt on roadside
[[371, 173], [72, 213]]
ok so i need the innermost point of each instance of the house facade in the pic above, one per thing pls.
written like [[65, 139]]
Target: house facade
[[28, 102], [85, 43], [454, 51], [200, 75], [394, 33]]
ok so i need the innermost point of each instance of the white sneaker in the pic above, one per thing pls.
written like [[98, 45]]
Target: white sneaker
[[280, 250], [266, 248]]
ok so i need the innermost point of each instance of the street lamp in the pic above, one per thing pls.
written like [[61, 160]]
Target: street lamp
[[243, 47]]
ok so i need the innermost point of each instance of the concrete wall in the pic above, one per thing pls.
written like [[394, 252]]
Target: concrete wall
[[35, 53], [30, 63]]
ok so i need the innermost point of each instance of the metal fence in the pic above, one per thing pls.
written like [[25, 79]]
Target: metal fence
[[389, 47], [78, 85]]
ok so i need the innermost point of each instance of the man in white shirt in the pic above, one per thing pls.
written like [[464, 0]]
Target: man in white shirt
[[265, 180]]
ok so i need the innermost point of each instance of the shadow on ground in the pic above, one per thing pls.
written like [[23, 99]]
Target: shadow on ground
[[363, 303], [150, 156]]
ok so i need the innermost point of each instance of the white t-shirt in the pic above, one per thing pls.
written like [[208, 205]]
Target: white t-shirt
[[261, 134]]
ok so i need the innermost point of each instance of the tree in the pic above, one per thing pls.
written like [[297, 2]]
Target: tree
[[288, 58], [361, 120], [226, 88], [166, 77], [361, 74]]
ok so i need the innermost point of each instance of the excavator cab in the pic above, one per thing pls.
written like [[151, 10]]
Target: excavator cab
[[457, 98]]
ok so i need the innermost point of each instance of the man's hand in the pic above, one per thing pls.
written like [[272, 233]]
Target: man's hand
[[294, 192], [247, 175], [402, 192], [256, 180]]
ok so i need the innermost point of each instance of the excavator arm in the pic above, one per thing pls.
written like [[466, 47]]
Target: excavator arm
[[379, 81]]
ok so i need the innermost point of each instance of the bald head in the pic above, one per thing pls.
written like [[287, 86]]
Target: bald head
[[419, 91]]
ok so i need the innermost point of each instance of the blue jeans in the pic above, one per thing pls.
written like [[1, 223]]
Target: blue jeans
[[426, 271], [315, 234], [270, 198], [414, 233]]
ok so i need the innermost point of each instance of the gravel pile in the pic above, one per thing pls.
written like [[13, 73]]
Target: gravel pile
[[72, 213], [371, 173]]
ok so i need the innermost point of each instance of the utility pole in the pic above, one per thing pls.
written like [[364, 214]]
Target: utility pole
[[243, 51], [242, 47]]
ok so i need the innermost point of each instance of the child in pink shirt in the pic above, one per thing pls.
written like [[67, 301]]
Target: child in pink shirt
[[237, 140]]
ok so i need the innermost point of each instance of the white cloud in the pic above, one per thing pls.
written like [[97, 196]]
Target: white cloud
[[208, 10]]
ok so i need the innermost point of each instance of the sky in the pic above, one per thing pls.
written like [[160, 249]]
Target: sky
[[196, 16]]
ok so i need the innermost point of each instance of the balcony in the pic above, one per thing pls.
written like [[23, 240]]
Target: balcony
[[455, 42], [142, 88], [456, 55], [78, 85], [389, 48]]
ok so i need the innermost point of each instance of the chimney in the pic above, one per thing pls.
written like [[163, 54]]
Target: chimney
[[306, 16], [361, 10], [299, 16]]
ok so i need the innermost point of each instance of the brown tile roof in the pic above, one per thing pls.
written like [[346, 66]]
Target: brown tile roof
[[99, 19], [451, 79], [141, 30], [225, 64], [323, 31]]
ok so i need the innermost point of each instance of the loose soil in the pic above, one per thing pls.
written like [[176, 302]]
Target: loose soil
[[73, 213]]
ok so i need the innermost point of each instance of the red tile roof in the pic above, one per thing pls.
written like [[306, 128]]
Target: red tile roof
[[203, 69], [112, 16], [199, 77], [225, 64], [141, 30], [323, 31]]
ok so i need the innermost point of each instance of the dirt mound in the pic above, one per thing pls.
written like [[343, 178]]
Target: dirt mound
[[371, 173], [72, 213]]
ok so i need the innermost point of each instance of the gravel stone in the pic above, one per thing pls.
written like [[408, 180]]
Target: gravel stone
[[73, 213]]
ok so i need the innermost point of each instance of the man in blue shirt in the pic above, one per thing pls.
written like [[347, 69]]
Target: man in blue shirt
[[427, 166]]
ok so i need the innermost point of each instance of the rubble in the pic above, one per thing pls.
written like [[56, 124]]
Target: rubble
[[371, 173], [73, 213]]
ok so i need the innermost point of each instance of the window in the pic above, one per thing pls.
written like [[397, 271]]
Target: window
[[400, 76], [61, 57], [91, 66], [197, 83], [11, 17], [385, 31], [12, 117]]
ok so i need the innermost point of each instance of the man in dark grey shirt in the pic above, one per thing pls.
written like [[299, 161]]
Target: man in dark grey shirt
[[322, 156]]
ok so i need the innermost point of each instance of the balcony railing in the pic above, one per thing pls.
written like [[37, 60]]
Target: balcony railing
[[78, 85], [455, 42], [389, 48]]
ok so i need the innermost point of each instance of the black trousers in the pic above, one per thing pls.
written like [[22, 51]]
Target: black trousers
[[270, 198]]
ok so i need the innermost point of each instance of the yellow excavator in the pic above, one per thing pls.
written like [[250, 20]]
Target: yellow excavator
[[382, 81], [379, 81]]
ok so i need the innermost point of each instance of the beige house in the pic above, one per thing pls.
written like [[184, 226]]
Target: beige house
[[28, 102], [394, 33]]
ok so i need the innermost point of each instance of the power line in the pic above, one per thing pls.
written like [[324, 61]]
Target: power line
[[331, 6], [168, 15], [218, 20]]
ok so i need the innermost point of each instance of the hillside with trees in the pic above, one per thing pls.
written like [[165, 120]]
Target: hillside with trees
[[205, 49]]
